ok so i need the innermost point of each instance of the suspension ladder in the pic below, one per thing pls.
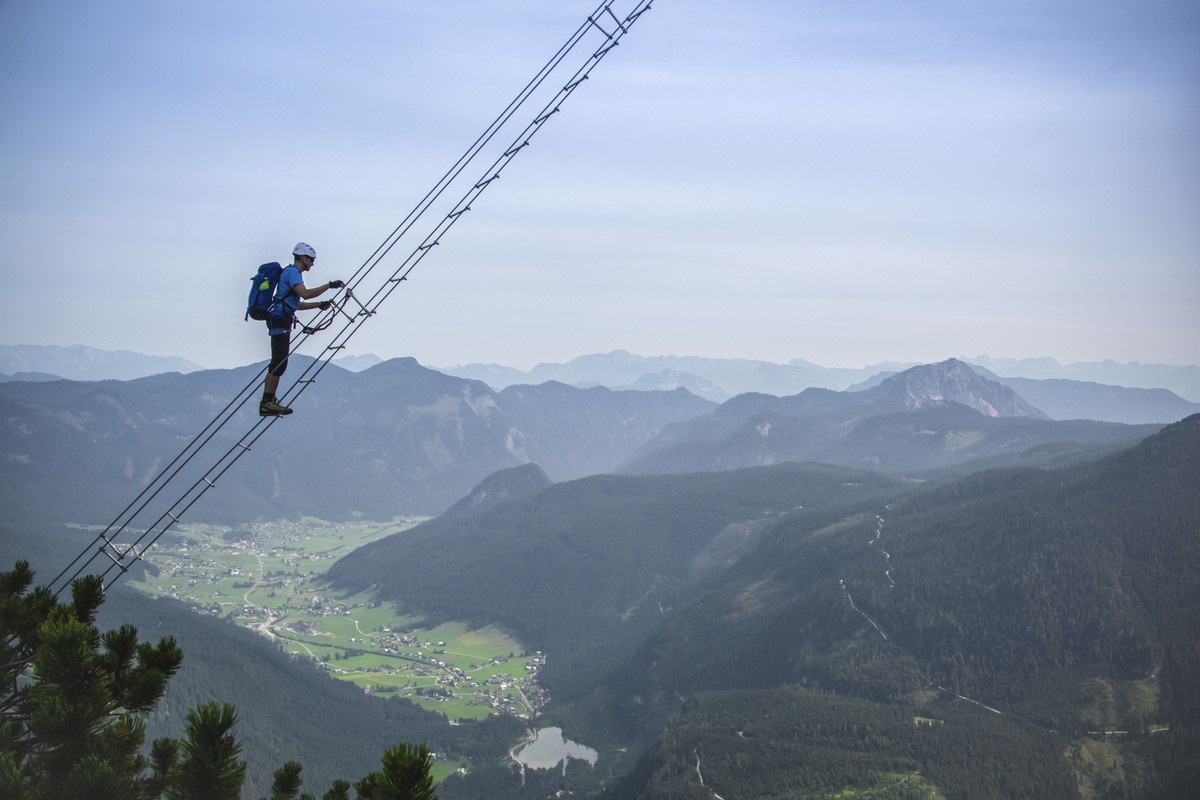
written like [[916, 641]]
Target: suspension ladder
[[211, 453]]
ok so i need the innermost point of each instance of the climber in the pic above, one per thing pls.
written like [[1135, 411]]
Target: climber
[[291, 295]]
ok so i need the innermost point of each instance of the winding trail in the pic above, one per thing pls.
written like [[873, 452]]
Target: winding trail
[[842, 583], [970, 700], [887, 557], [700, 775], [530, 736], [887, 573]]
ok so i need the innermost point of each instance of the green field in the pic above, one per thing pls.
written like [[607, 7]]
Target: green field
[[269, 577]]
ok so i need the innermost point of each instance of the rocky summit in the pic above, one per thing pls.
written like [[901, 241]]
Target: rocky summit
[[955, 381]]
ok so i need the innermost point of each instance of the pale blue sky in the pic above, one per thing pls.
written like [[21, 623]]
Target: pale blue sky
[[846, 182]]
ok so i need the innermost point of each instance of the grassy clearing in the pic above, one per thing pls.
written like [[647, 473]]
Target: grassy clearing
[[1098, 764], [268, 577], [444, 769], [1101, 757], [888, 785]]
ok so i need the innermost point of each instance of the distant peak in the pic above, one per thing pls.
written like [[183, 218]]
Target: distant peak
[[955, 381]]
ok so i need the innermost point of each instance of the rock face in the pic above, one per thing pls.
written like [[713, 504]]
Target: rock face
[[954, 381]]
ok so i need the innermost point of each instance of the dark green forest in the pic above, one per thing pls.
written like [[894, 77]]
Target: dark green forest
[[1062, 600], [795, 742]]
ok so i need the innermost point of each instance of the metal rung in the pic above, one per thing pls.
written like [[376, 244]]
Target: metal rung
[[120, 566], [428, 246], [351, 296], [600, 27], [609, 11], [603, 51], [210, 483], [634, 17], [484, 183], [570, 87], [459, 213], [547, 115], [174, 518], [244, 446], [518, 148], [108, 548]]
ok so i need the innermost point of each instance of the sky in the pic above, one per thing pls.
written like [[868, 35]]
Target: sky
[[845, 183]]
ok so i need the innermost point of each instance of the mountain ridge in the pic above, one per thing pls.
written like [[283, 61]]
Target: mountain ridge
[[928, 417], [394, 439], [1106, 390], [731, 376], [81, 362]]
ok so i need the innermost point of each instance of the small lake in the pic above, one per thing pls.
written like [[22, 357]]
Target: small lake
[[549, 748]]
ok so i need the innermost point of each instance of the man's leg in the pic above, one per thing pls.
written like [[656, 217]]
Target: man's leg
[[280, 344]]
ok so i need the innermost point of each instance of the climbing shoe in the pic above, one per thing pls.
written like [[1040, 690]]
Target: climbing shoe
[[270, 408]]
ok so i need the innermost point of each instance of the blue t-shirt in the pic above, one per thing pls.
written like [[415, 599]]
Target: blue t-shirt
[[287, 302]]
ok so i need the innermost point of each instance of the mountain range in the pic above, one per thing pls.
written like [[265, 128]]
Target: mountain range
[[1104, 391], [399, 438], [719, 378], [927, 587], [395, 439], [929, 417], [82, 363]]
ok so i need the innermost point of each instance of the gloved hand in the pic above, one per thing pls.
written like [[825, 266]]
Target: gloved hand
[[324, 304], [336, 284]]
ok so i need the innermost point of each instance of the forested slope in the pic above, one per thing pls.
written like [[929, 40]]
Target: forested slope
[[289, 711], [1059, 602], [582, 566]]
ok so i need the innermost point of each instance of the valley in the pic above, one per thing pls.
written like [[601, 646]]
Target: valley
[[269, 577]]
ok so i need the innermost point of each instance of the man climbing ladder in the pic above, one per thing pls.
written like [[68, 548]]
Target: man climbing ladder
[[291, 295]]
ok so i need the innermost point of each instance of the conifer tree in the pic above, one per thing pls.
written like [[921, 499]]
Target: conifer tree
[[75, 728], [287, 782], [339, 791], [209, 768], [405, 776]]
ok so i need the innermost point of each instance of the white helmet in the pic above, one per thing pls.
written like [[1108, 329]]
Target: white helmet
[[302, 249]]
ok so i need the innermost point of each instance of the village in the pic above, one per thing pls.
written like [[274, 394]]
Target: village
[[268, 577]]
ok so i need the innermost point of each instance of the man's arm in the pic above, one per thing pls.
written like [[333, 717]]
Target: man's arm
[[305, 293]]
